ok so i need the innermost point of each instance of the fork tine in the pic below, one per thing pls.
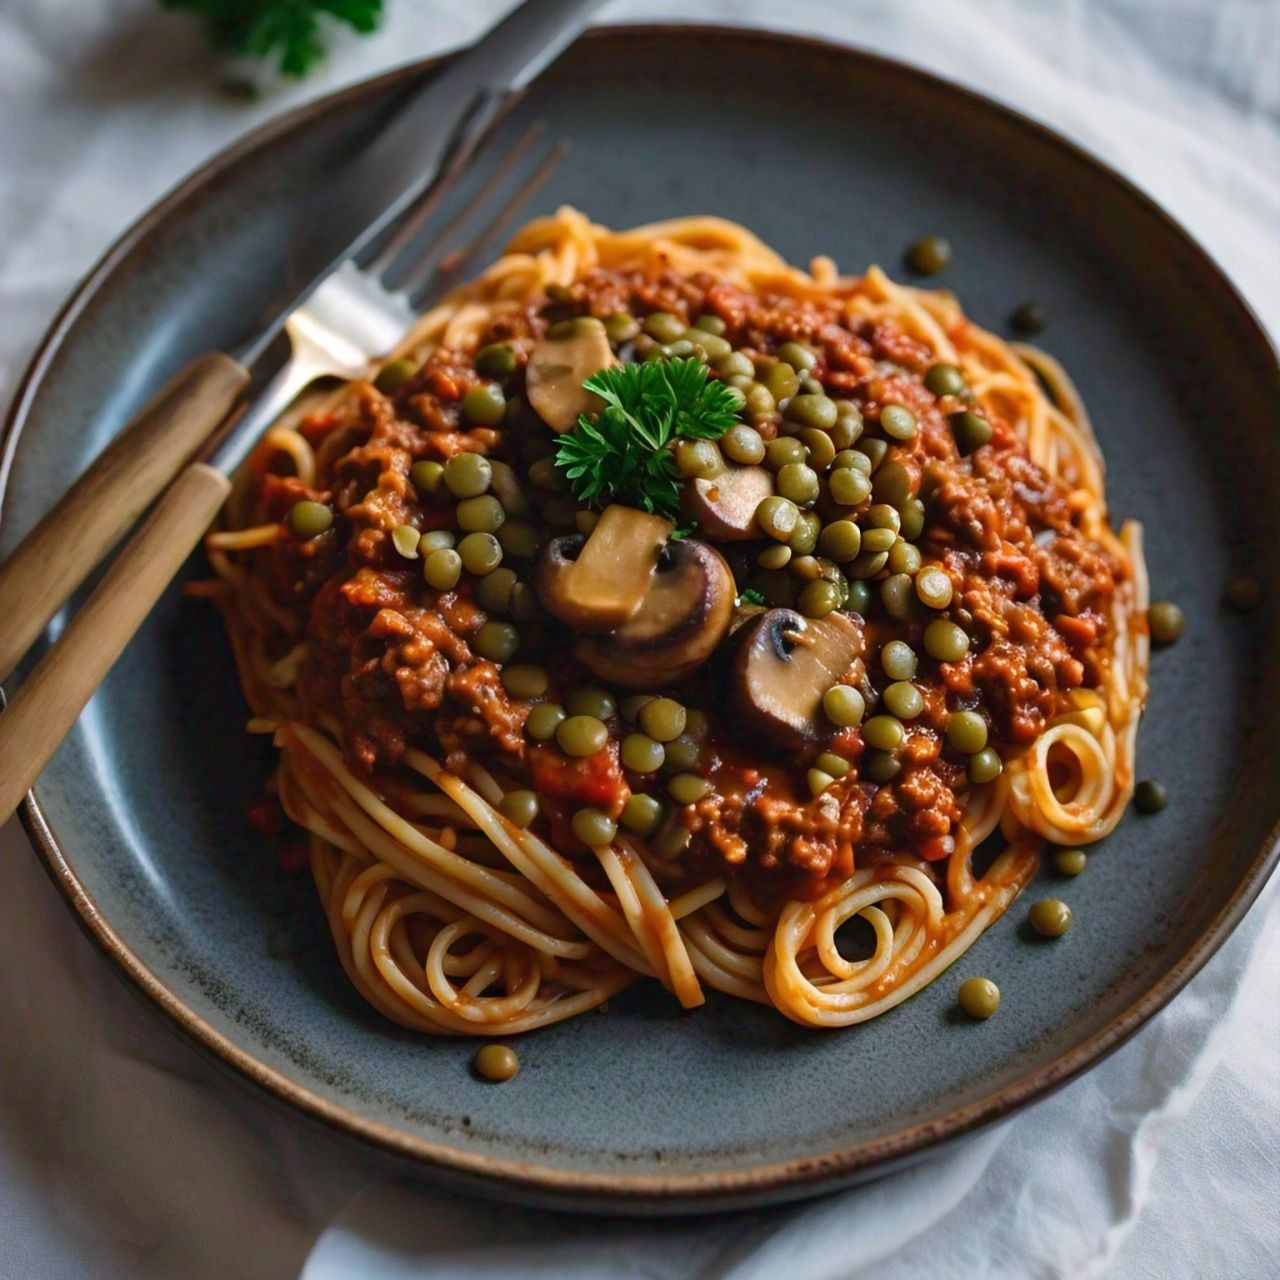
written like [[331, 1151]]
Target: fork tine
[[439, 274], [429, 198], [406, 234]]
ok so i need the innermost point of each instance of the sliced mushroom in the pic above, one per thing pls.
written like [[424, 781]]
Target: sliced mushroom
[[724, 507], [782, 666], [683, 617], [597, 583], [557, 369]]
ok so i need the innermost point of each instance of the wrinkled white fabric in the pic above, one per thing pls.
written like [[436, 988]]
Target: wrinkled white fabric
[[124, 1154]]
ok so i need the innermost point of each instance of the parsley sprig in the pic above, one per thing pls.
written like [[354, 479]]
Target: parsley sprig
[[292, 28], [624, 455]]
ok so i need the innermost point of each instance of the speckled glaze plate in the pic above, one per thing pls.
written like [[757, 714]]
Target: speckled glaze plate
[[821, 150]]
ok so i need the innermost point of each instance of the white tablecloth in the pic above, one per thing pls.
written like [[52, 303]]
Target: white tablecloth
[[122, 1154]]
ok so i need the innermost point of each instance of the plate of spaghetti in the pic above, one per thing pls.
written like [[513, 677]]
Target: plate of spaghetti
[[684, 728]]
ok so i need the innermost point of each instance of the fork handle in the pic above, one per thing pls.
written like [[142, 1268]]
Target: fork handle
[[93, 515], [53, 695]]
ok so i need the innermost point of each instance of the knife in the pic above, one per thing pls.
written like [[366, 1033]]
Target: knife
[[436, 126]]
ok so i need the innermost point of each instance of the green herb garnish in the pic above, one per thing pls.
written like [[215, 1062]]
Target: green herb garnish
[[625, 455], [750, 596], [257, 28]]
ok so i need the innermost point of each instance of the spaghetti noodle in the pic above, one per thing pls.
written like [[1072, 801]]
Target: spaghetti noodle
[[444, 834]]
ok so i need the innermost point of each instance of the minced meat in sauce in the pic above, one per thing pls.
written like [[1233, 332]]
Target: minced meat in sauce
[[393, 661]]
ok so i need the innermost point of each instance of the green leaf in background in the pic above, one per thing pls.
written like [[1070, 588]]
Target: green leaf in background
[[291, 29]]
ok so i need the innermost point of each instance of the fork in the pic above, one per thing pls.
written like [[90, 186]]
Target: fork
[[351, 318], [344, 325], [354, 316]]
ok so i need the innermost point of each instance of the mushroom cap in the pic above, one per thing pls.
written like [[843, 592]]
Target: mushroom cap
[[782, 665], [558, 367], [596, 583], [724, 506], [681, 621]]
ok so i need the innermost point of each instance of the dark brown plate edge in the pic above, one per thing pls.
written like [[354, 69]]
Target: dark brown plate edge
[[568, 1188]]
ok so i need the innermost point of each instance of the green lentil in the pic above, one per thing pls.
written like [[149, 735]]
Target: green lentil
[[543, 721], [524, 680], [593, 827], [497, 360], [903, 700], [944, 641], [743, 444], [966, 732], [688, 788], [1070, 862], [496, 1063], [1028, 318], [493, 592], [892, 484], [878, 540], [866, 564], [904, 557], [978, 997], [897, 596], [621, 327], [683, 753], [857, 598], [496, 641], [309, 519], [933, 587], [1167, 622], [581, 735], [481, 553], [821, 451], [590, 700], [519, 807], [663, 719], [394, 374], [912, 512], [467, 475], [774, 556], [641, 814], [829, 762], [885, 733], [818, 781], [664, 326], [777, 517], [405, 539], [844, 705], [783, 451], [426, 476], [971, 431], [1150, 796], [840, 540], [874, 449], [898, 660], [519, 538], [985, 766], [898, 422], [819, 599], [880, 766], [945, 380], [804, 538], [928, 255], [442, 569], [642, 754], [483, 514], [434, 540], [1050, 917], [848, 486]]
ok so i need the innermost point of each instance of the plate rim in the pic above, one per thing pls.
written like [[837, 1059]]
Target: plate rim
[[547, 1184]]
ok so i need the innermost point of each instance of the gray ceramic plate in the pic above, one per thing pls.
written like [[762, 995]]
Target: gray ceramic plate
[[820, 149]]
